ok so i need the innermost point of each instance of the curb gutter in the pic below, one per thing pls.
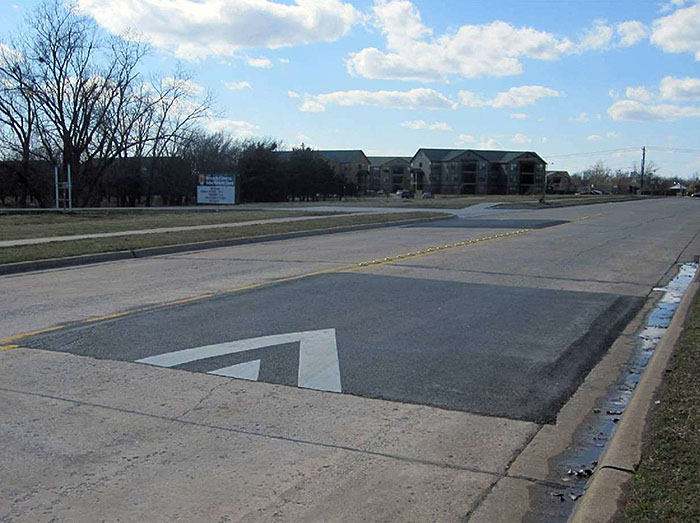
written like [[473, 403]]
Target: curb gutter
[[86, 259], [623, 454]]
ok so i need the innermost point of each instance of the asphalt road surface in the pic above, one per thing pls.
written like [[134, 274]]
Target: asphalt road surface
[[475, 334], [515, 352]]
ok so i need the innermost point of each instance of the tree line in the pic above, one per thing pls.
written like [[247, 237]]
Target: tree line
[[600, 177], [75, 99]]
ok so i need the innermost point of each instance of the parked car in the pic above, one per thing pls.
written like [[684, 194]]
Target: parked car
[[428, 194], [407, 194], [695, 195]]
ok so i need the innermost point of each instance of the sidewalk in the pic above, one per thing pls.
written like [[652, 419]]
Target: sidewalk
[[51, 239]]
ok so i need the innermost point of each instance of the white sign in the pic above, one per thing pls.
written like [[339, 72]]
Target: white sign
[[216, 195], [318, 358], [216, 189]]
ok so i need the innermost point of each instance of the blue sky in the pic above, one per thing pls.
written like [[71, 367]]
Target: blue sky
[[557, 77]]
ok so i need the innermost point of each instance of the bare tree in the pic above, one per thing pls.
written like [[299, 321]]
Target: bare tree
[[18, 119], [81, 96], [82, 84], [171, 119], [598, 176]]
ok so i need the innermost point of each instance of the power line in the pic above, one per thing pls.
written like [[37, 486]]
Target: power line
[[673, 149], [591, 153], [627, 149]]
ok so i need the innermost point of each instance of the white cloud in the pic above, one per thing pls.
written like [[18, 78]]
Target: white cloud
[[680, 89], [481, 143], [9, 55], [611, 134], [263, 63], [465, 139], [420, 125], [679, 32], [581, 118], [188, 86], [640, 94], [518, 116], [413, 52], [631, 33], [514, 97], [613, 94], [491, 143], [199, 28], [284, 60], [672, 4], [521, 138], [292, 94], [237, 86], [630, 110], [594, 138], [544, 139], [235, 128], [598, 37], [419, 98]]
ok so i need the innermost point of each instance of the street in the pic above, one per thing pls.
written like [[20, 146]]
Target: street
[[418, 373]]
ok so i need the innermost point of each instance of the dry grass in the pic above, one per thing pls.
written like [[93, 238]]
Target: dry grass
[[123, 243], [666, 487], [45, 224]]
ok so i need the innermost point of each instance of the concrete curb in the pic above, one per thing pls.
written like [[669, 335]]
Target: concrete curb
[[623, 454], [86, 259]]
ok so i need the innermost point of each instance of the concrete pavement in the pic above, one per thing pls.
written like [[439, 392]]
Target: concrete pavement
[[93, 439]]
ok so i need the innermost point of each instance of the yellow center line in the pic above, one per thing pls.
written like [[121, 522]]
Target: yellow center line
[[8, 347], [31, 333], [342, 268]]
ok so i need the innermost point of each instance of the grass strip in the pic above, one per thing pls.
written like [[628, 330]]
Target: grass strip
[[122, 243], [42, 225], [666, 487], [569, 202]]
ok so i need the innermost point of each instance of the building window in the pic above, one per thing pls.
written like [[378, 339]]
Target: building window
[[513, 166], [420, 164]]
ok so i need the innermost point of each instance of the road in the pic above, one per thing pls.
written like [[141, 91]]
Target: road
[[421, 373]]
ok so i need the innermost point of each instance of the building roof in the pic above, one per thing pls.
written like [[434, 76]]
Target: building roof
[[446, 155], [341, 156], [377, 161]]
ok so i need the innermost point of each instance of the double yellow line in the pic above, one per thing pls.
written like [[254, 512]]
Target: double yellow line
[[6, 343]]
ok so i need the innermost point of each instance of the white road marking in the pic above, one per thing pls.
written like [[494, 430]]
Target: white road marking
[[248, 370], [318, 357]]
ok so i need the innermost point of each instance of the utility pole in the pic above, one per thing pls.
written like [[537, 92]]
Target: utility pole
[[641, 175]]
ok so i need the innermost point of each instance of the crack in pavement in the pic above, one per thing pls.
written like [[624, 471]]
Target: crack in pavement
[[386, 455], [202, 400]]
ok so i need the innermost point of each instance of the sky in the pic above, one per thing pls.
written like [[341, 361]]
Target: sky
[[575, 81]]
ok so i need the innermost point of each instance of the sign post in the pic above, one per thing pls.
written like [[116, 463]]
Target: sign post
[[216, 189]]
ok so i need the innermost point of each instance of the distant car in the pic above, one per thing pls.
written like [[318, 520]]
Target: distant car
[[428, 194], [595, 192], [695, 195], [399, 192], [406, 194]]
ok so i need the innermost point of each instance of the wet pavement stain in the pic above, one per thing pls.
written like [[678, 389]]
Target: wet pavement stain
[[577, 464]]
